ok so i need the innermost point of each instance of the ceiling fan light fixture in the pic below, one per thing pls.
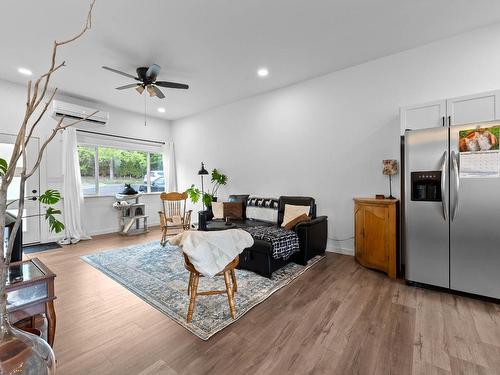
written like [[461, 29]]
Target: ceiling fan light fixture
[[151, 90], [146, 80]]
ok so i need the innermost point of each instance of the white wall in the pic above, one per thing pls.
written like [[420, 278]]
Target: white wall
[[99, 215], [327, 137]]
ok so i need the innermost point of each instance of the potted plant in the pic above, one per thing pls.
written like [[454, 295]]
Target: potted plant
[[218, 179], [25, 353]]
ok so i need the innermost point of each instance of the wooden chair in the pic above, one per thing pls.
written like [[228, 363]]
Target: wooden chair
[[229, 278], [174, 205]]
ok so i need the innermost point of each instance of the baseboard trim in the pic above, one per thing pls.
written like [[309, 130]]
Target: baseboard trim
[[330, 247], [98, 232], [115, 229], [345, 247], [341, 251]]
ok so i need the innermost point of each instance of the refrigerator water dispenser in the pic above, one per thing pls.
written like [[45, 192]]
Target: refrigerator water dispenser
[[426, 186]]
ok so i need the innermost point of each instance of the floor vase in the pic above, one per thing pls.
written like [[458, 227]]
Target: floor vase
[[22, 352]]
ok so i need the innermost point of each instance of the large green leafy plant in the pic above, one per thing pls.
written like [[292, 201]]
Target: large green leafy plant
[[49, 198], [217, 179]]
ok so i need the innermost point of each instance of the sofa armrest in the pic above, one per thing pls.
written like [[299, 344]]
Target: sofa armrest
[[310, 223], [313, 236]]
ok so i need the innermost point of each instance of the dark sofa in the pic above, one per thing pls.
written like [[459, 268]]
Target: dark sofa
[[258, 258]]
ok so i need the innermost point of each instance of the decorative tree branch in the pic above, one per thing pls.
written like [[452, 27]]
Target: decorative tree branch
[[34, 102], [58, 127], [36, 94], [28, 137]]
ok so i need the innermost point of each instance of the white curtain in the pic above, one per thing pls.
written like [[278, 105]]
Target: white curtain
[[72, 190], [169, 166]]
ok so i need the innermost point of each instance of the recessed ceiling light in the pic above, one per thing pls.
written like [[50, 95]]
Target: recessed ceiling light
[[25, 71], [161, 110], [263, 72]]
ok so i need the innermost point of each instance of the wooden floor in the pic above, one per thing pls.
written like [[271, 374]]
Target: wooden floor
[[337, 318]]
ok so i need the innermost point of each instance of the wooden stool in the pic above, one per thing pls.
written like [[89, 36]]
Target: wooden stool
[[194, 278]]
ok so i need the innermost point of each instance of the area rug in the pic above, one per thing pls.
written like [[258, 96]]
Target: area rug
[[157, 275]]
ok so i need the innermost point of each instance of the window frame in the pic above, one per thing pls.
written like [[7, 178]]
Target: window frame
[[95, 146]]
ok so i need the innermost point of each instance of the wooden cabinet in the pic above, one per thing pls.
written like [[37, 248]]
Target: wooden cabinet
[[375, 222]]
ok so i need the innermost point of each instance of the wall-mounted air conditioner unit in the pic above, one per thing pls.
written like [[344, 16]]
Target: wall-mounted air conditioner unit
[[76, 112]]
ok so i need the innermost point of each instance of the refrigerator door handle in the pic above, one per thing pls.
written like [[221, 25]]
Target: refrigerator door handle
[[456, 200], [444, 197]]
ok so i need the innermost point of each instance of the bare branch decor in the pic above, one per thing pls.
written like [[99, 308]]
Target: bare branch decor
[[36, 94]]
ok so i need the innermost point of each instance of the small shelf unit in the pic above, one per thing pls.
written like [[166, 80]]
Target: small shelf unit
[[133, 219]]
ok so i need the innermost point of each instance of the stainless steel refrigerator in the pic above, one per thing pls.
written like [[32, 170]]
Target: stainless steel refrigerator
[[452, 208]]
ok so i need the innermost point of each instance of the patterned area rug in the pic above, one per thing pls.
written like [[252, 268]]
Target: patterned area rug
[[157, 275]]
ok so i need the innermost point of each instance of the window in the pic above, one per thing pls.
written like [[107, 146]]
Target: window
[[87, 157], [105, 170]]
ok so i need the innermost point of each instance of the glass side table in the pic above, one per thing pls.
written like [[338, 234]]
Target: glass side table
[[30, 292]]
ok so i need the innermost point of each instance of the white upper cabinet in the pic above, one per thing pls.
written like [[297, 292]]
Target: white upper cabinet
[[423, 116], [461, 110], [474, 108]]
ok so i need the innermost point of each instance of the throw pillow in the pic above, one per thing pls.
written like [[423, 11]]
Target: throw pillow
[[233, 210], [218, 210], [292, 212], [299, 219]]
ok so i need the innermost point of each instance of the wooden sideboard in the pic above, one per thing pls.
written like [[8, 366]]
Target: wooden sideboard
[[375, 222]]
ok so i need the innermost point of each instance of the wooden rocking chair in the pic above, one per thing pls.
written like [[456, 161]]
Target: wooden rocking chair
[[174, 216]]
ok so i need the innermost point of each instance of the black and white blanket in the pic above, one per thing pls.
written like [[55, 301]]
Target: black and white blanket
[[285, 242]]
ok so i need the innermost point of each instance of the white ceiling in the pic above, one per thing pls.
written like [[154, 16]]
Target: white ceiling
[[216, 46]]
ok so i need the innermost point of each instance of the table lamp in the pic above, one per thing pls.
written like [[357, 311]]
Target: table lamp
[[390, 169]]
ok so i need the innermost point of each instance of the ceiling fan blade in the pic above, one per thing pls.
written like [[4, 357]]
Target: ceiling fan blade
[[119, 72], [157, 91], [140, 89], [128, 86], [172, 85], [153, 72]]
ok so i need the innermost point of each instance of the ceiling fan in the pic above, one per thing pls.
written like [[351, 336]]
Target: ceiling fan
[[147, 81]]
